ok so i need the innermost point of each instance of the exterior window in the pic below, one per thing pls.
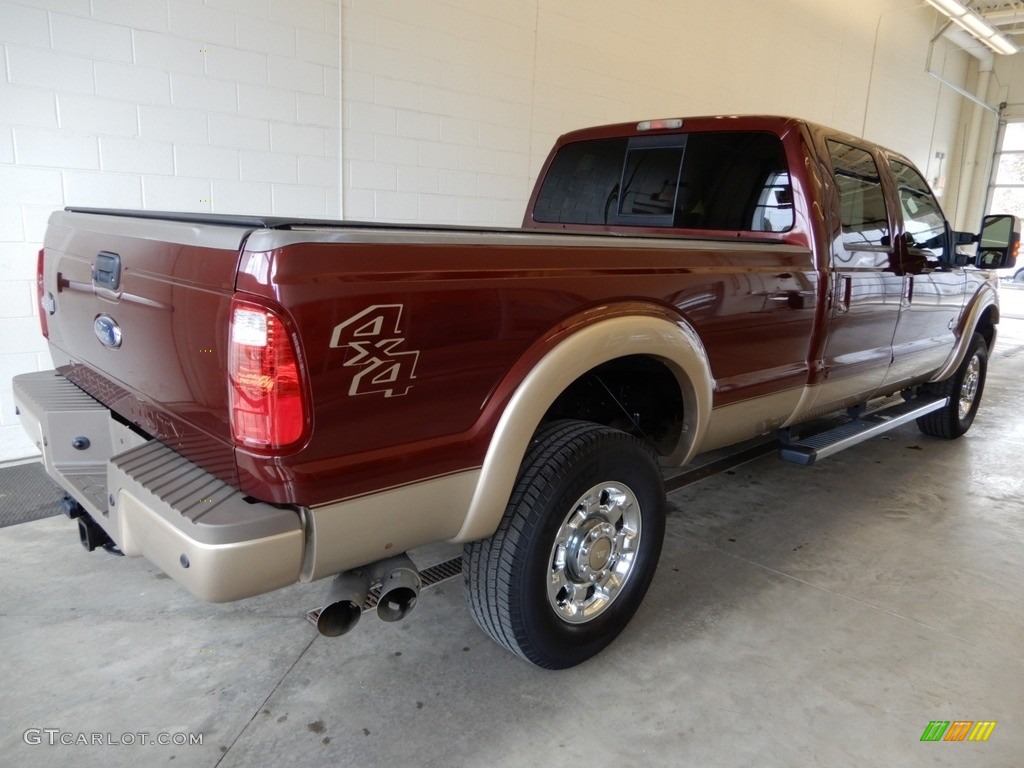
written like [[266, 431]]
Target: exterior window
[[774, 211], [864, 220], [924, 224], [711, 181], [1007, 194], [582, 183], [650, 182]]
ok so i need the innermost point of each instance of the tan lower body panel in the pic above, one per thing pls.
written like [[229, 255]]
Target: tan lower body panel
[[358, 531]]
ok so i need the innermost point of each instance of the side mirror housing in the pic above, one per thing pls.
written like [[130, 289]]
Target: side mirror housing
[[998, 242], [961, 258]]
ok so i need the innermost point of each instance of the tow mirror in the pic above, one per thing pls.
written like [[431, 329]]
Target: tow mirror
[[998, 242]]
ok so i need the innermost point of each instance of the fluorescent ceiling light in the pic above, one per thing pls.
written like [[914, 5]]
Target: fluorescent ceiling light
[[1004, 45], [976, 25]]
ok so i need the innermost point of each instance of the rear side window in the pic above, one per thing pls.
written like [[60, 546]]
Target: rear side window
[[717, 181], [865, 222]]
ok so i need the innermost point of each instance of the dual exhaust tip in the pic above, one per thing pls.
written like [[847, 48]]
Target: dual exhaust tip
[[400, 586]]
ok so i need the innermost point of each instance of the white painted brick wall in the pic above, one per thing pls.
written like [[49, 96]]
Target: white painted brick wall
[[240, 132], [96, 116], [25, 26], [201, 161], [199, 92], [105, 190], [160, 104], [55, 149], [132, 84], [28, 106], [56, 72], [483, 88], [420, 82], [267, 103], [96, 39], [265, 36], [133, 156]]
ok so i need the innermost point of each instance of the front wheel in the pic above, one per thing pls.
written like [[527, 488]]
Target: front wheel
[[964, 389], [576, 548]]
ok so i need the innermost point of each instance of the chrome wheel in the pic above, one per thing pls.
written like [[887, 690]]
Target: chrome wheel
[[969, 387], [594, 552]]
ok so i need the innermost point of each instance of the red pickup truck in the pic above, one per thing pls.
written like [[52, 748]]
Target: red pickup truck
[[250, 402]]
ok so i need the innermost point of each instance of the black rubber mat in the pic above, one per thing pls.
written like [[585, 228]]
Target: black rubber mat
[[26, 494]]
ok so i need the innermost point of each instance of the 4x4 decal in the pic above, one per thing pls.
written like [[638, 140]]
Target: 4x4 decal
[[374, 335]]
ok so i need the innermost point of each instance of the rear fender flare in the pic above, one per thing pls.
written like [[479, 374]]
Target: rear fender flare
[[669, 340]]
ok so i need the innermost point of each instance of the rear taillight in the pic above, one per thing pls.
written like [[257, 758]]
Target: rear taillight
[[41, 296], [265, 386]]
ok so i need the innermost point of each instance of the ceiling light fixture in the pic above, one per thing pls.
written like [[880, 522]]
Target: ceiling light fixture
[[976, 25]]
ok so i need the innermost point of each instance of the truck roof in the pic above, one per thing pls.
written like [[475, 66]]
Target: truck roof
[[772, 123]]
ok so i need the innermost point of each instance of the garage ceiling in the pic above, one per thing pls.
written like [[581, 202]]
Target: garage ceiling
[[1007, 17]]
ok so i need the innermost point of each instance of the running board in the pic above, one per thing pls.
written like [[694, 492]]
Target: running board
[[808, 450]]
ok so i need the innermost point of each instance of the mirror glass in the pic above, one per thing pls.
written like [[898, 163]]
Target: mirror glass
[[996, 231]]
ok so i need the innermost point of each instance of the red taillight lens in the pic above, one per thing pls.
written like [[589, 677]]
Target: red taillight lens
[[40, 294], [265, 381]]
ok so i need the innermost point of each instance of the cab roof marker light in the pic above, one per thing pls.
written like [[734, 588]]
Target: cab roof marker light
[[660, 125]]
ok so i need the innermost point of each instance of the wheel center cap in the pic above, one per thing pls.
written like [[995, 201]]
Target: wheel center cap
[[600, 554], [591, 552]]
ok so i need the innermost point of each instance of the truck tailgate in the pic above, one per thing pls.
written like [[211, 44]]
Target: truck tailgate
[[138, 317]]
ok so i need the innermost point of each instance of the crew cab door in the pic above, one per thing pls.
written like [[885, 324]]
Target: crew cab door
[[934, 290], [866, 287]]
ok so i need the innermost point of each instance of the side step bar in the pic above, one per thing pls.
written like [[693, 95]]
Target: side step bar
[[808, 450]]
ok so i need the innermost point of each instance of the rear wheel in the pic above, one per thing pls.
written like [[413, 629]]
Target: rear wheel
[[964, 389], [576, 548]]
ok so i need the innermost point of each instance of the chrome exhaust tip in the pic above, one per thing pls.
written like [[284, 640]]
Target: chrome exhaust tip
[[399, 591], [345, 602], [398, 582]]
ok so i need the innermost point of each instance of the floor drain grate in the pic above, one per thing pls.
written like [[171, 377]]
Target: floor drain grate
[[435, 574]]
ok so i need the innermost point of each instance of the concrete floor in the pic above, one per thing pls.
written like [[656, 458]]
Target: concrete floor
[[800, 617]]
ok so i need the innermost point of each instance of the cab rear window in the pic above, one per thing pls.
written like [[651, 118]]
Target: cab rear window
[[714, 180]]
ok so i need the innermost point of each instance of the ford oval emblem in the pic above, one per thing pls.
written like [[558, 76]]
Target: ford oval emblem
[[107, 331]]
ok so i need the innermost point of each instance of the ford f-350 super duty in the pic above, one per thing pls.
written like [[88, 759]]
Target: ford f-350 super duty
[[250, 402]]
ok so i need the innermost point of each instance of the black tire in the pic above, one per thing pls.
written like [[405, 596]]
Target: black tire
[[964, 389], [1018, 276], [558, 606]]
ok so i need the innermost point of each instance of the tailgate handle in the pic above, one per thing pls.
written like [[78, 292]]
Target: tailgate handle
[[106, 272]]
